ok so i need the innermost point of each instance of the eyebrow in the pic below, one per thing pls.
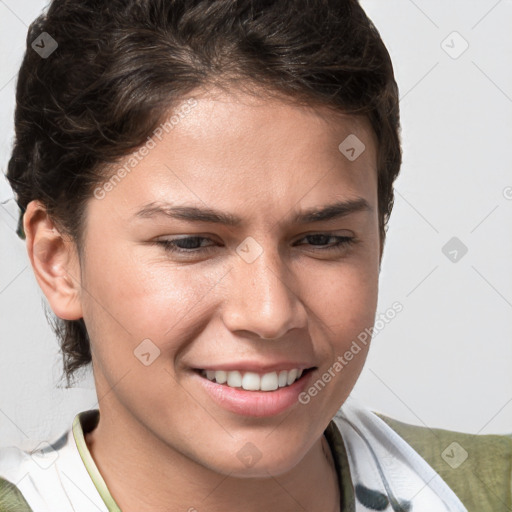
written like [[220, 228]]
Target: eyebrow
[[194, 214]]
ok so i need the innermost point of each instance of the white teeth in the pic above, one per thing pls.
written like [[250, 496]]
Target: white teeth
[[234, 379], [269, 382], [252, 381], [221, 377], [292, 375]]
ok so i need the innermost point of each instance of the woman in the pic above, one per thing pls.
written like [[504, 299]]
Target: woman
[[205, 189]]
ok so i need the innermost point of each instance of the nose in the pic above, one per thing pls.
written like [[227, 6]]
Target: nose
[[264, 297]]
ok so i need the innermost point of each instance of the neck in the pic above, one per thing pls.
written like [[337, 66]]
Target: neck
[[130, 460]]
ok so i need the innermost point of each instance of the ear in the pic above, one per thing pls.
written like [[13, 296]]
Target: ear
[[55, 262]]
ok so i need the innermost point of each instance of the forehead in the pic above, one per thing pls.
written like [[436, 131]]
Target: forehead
[[250, 152], [268, 132]]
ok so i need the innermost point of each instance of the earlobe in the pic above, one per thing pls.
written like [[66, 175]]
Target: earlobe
[[55, 262]]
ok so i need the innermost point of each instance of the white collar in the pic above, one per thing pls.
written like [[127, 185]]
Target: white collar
[[386, 472], [52, 477]]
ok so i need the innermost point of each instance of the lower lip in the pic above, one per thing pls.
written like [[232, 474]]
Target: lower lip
[[255, 403]]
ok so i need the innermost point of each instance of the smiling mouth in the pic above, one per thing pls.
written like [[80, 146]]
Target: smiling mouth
[[253, 381]]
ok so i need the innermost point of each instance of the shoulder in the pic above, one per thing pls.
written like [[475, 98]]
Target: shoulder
[[11, 498], [29, 479], [478, 468], [49, 477]]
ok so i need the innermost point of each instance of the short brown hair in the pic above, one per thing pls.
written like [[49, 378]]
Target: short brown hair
[[120, 64]]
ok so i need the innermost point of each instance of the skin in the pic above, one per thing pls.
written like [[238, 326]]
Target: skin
[[159, 431]]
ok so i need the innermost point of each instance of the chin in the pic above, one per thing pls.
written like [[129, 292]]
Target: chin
[[250, 462]]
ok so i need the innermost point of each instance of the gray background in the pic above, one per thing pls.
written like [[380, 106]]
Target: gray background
[[445, 360]]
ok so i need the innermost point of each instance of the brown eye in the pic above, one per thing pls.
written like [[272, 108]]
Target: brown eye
[[322, 237], [186, 245]]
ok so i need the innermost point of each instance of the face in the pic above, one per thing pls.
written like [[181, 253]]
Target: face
[[168, 292]]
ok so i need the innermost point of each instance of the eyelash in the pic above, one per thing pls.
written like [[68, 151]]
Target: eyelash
[[170, 245]]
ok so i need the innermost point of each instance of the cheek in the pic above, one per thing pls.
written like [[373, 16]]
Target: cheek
[[131, 298], [344, 297], [345, 301]]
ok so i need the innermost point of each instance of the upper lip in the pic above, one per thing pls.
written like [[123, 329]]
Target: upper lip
[[257, 367]]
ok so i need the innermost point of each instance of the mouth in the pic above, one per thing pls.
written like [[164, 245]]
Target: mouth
[[254, 381], [253, 394]]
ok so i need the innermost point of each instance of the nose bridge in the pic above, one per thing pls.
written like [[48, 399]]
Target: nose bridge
[[263, 300]]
